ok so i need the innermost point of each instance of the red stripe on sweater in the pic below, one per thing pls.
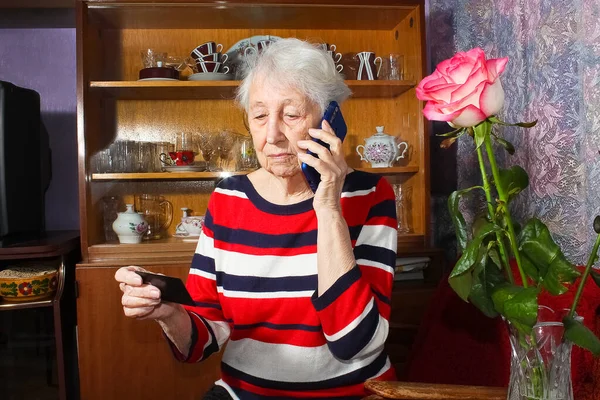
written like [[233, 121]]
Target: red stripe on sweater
[[346, 308], [292, 337]]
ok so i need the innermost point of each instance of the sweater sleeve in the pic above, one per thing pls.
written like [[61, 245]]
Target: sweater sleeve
[[210, 330], [355, 311]]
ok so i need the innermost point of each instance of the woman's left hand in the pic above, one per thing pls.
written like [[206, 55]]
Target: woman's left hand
[[331, 164]]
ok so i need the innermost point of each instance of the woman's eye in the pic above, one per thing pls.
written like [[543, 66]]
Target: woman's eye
[[260, 116], [291, 116]]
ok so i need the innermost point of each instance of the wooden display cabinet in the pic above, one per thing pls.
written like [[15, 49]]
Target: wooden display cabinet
[[113, 105]]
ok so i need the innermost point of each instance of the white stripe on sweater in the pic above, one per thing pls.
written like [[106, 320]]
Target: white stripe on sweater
[[379, 236], [265, 266], [288, 363]]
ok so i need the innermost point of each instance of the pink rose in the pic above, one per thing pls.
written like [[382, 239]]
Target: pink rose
[[463, 90]]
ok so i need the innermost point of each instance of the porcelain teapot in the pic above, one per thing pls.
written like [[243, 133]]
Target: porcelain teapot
[[130, 226], [381, 149]]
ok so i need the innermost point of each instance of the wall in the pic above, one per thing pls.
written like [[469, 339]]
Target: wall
[[37, 51]]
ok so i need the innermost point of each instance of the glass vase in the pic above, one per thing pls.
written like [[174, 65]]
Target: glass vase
[[540, 367]]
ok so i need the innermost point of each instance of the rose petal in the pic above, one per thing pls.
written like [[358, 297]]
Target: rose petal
[[442, 93], [425, 91], [470, 85], [460, 73], [492, 98], [469, 116], [496, 67], [422, 88], [471, 99], [432, 112]]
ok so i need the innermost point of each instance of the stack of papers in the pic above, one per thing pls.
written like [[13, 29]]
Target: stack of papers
[[408, 268]]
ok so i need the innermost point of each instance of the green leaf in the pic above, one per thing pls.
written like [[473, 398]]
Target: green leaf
[[521, 309], [537, 245], [530, 269], [461, 284], [472, 253], [595, 276], [495, 257], [486, 278], [513, 180], [508, 146], [454, 133], [502, 294], [467, 259], [481, 132], [495, 120], [458, 220], [579, 334]]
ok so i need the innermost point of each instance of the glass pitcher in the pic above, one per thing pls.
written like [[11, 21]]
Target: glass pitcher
[[157, 211]]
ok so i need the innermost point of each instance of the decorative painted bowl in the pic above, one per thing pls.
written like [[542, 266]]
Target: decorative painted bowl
[[28, 283]]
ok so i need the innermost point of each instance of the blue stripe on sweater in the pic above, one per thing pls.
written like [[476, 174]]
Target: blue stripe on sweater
[[264, 240], [374, 253], [280, 327], [386, 208], [355, 340], [203, 263], [264, 285]]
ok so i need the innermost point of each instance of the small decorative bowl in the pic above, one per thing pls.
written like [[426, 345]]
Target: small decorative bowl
[[28, 283]]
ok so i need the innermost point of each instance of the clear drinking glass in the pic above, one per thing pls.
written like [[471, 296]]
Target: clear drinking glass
[[403, 195], [206, 145], [151, 57], [184, 141], [162, 157], [225, 141], [395, 65], [246, 159]]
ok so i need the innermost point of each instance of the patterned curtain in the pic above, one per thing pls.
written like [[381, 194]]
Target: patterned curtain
[[553, 76]]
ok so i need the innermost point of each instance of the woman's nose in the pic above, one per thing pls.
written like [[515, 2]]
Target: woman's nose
[[274, 130]]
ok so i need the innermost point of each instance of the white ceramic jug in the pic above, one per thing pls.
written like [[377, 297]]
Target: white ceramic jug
[[130, 226], [381, 149]]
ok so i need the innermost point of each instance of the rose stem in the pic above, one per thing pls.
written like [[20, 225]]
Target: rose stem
[[588, 267], [488, 196], [504, 198]]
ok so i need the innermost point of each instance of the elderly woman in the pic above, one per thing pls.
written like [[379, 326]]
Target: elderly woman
[[298, 283]]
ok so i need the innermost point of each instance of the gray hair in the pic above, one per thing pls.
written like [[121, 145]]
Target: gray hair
[[295, 63]]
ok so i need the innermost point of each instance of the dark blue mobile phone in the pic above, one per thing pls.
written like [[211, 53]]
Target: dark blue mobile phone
[[333, 115]]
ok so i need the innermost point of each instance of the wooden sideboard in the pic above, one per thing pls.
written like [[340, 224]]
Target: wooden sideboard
[[114, 351]]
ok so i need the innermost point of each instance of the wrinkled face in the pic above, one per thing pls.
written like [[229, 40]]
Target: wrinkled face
[[278, 118]]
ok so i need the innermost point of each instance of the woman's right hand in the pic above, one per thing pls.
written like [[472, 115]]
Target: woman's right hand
[[141, 300]]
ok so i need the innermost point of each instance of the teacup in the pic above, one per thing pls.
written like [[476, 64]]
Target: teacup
[[192, 224], [211, 66], [206, 49], [215, 57], [182, 157]]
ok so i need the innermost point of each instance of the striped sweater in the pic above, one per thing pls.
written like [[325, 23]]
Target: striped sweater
[[254, 278]]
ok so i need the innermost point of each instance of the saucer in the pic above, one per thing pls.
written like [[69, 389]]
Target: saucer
[[210, 76], [157, 79], [185, 168], [186, 237]]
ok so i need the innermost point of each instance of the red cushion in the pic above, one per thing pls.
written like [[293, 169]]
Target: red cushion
[[457, 344]]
